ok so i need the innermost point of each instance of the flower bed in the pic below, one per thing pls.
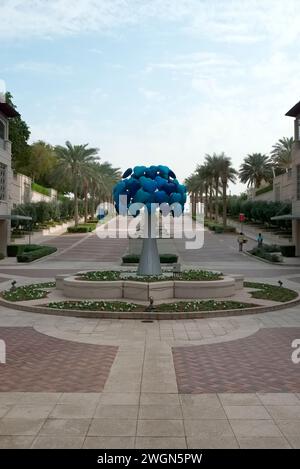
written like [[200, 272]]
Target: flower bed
[[28, 292], [205, 305], [186, 275]]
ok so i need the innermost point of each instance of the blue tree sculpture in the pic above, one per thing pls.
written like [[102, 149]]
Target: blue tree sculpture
[[152, 188]]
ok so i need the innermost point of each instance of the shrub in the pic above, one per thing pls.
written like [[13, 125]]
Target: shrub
[[32, 254], [14, 250], [82, 228], [164, 258], [1, 256], [218, 228], [288, 251], [260, 252], [271, 248], [258, 210]]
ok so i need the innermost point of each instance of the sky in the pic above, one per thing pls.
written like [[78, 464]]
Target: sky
[[154, 81]]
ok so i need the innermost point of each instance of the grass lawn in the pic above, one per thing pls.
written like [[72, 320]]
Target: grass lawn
[[271, 292]]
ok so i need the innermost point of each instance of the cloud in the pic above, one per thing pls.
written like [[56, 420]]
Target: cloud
[[237, 21], [151, 95], [41, 67]]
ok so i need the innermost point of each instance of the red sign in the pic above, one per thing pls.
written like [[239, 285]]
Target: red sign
[[242, 217]]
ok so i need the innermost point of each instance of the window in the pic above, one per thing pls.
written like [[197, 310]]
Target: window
[[2, 130], [2, 181], [277, 193], [297, 128], [298, 182]]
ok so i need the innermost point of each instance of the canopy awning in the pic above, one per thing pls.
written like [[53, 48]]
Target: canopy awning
[[294, 111], [8, 110], [288, 216], [14, 217]]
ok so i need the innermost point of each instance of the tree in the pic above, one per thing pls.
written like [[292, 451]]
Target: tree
[[19, 134], [195, 187], [103, 177], [227, 174], [73, 166], [213, 164], [282, 153], [42, 162], [255, 169]]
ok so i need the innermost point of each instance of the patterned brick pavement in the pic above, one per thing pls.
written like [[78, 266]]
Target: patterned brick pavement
[[259, 363], [39, 363]]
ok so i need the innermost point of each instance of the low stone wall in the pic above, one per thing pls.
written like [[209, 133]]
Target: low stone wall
[[72, 287]]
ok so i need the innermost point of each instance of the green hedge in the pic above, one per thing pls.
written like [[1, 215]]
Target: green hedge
[[259, 211], [33, 252], [82, 228], [164, 258], [260, 252], [263, 190], [41, 189], [218, 228]]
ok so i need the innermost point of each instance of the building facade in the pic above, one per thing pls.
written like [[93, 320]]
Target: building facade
[[295, 112], [22, 192], [6, 112]]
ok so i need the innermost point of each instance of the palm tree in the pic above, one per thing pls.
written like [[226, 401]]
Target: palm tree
[[282, 153], [212, 161], [255, 169], [73, 166], [194, 185], [103, 177], [227, 174]]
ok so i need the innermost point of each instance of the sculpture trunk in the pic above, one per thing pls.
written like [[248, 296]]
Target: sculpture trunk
[[149, 261]]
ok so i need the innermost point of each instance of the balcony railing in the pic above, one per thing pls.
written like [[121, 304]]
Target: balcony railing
[[5, 145]]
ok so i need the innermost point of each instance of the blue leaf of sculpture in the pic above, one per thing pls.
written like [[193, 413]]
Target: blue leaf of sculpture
[[139, 170], [175, 197], [163, 170], [169, 187], [160, 197], [148, 184], [141, 196], [160, 182], [127, 173]]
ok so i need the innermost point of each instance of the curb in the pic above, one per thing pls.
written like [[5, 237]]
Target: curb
[[147, 315]]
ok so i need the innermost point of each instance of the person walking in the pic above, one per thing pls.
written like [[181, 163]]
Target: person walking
[[241, 240], [259, 240]]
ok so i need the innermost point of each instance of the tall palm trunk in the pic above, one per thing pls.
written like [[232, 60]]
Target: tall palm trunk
[[193, 197], [76, 218], [86, 210], [206, 202], [224, 197], [210, 201], [217, 199], [93, 195]]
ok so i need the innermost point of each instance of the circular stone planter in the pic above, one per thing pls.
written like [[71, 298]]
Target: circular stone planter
[[73, 287], [41, 309]]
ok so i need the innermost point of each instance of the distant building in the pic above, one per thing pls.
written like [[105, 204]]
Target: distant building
[[281, 190], [295, 215], [6, 112], [24, 192]]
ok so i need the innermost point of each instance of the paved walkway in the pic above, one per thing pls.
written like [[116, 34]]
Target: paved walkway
[[137, 392], [140, 404]]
